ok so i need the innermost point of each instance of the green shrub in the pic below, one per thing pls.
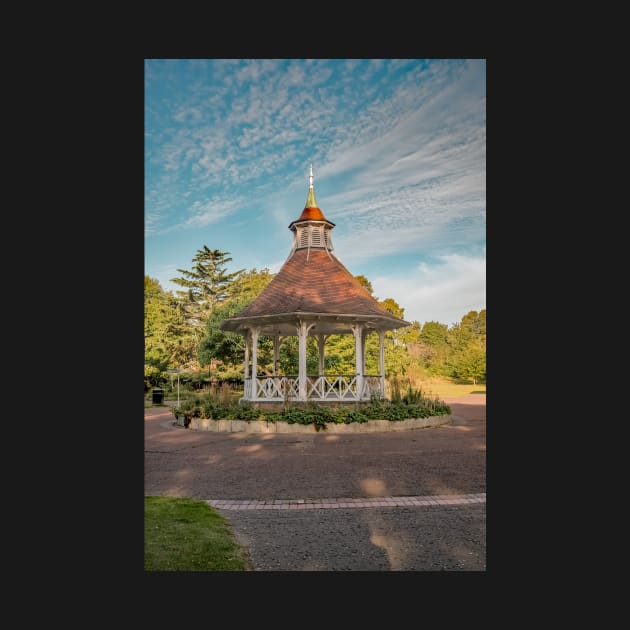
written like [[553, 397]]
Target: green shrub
[[218, 406], [242, 412], [356, 416]]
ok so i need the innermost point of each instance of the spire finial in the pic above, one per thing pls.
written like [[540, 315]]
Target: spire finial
[[311, 202], [311, 210]]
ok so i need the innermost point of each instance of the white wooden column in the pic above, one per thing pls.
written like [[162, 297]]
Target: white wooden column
[[381, 359], [364, 335], [276, 352], [247, 354], [357, 329], [302, 330], [321, 341], [255, 332]]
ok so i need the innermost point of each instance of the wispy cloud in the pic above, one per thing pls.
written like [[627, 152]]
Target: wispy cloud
[[245, 122], [210, 212], [398, 147]]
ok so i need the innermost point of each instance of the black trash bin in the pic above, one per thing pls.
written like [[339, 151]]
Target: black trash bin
[[158, 395]]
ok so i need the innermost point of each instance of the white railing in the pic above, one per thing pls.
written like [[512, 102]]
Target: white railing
[[277, 388], [319, 388], [373, 387]]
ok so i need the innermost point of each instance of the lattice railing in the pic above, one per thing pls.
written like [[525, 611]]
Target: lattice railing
[[277, 388], [322, 388], [331, 388]]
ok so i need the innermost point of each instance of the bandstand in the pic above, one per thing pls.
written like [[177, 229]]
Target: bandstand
[[313, 294]]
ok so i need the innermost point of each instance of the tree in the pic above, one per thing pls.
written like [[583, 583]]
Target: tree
[[339, 355], [365, 283], [289, 355], [249, 284], [397, 358], [416, 349], [155, 351], [467, 343], [207, 284], [168, 340], [434, 349], [474, 323], [434, 334], [411, 338], [393, 307], [229, 347], [218, 344], [470, 362]]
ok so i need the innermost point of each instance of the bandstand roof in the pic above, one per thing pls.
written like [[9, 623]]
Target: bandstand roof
[[313, 285]]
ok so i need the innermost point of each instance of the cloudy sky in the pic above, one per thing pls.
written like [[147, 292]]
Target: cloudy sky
[[398, 148]]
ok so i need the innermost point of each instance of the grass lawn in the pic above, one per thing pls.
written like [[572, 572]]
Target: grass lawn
[[189, 535], [444, 388]]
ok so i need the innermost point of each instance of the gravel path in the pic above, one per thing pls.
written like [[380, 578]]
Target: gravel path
[[364, 539], [444, 461]]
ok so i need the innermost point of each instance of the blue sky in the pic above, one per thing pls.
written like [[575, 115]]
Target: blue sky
[[398, 148]]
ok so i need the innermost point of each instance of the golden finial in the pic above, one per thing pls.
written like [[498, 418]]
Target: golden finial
[[311, 202]]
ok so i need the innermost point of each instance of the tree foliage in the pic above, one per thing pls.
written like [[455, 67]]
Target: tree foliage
[[393, 307], [168, 341], [226, 346], [434, 334], [248, 285], [469, 362], [366, 284], [218, 344], [207, 284], [458, 351], [184, 330]]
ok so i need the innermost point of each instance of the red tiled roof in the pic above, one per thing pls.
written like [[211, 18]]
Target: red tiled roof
[[320, 284]]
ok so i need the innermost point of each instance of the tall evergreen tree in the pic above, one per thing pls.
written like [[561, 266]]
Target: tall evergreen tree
[[207, 284]]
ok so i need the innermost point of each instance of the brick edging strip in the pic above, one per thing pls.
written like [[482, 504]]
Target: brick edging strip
[[312, 504]]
